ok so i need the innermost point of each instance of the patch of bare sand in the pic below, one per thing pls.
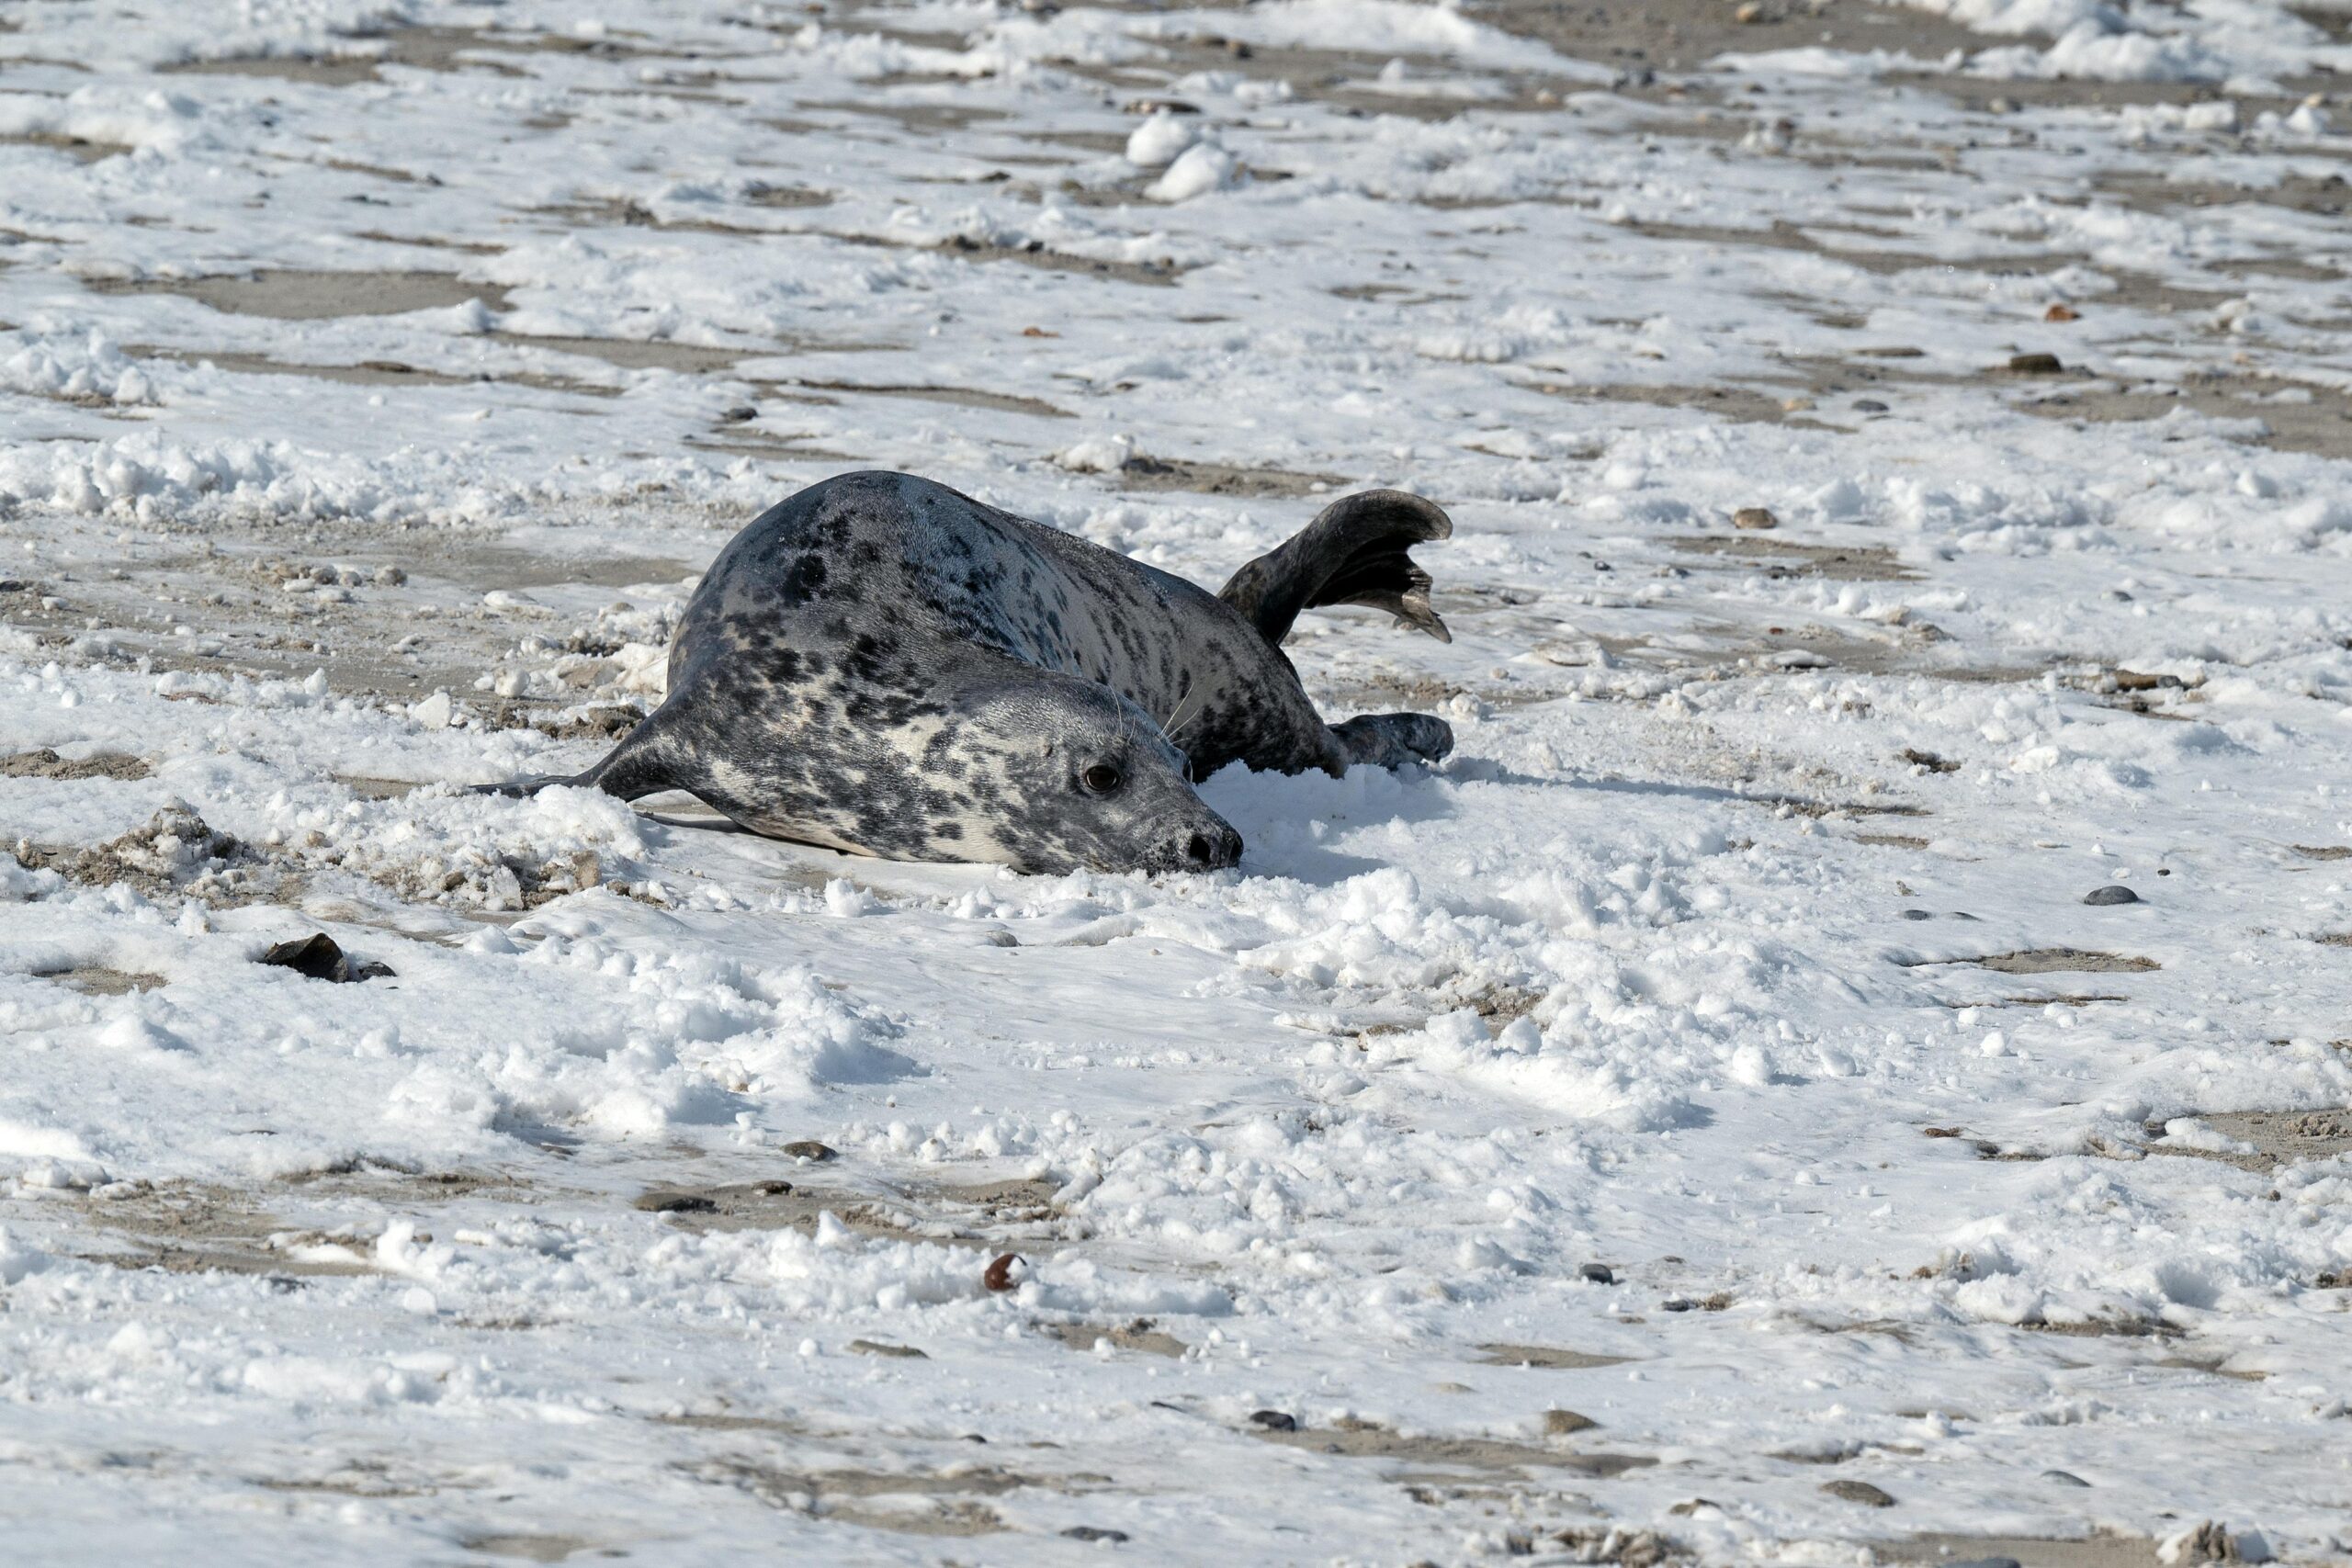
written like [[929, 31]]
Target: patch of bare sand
[[522, 1547], [365, 373], [1677, 35], [2296, 416], [98, 981], [1020, 1213], [1137, 1335], [81, 149], [1741, 405], [931, 1503], [2095, 1550], [2279, 1138], [1148, 473], [1549, 1357], [961, 397], [1786, 558], [1361, 1440], [647, 354], [47, 764], [2049, 960], [1034, 253], [292, 295], [363, 55]]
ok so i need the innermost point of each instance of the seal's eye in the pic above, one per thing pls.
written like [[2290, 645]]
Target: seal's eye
[[1101, 778]]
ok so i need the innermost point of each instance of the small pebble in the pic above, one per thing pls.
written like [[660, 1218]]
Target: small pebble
[[2036, 364], [809, 1149], [1092, 1532], [1861, 1492], [1918, 915], [676, 1204], [1274, 1420], [1598, 1274], [1868, 405], [1563, 1423], [2062, 313], [1753, 517], [2113, 893]]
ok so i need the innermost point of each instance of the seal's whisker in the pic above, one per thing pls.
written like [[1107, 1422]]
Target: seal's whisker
[[1178, 719]]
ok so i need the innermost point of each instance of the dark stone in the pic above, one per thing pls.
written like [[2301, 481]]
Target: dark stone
[[1868, 405], [317, 957], [809, 1149], [1092, 1532], [2064, 1478], [895, 1352], [1918, 915], [1567, 1423], [2111, 893], [2036, 365], [1861, 1492], [677, 1204], [1677, 1304], [1598, 1274], [1274, 1420]]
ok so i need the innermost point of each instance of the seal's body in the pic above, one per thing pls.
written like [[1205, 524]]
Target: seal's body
[[881, 665]]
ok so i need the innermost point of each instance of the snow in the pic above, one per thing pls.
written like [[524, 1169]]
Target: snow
[[375, 383]]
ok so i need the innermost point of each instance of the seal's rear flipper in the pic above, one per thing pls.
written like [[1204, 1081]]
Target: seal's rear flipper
[[1393, 739], [638, 766], [1353, 553]]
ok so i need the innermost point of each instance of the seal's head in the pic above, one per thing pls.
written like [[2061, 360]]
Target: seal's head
[[1061, 773]]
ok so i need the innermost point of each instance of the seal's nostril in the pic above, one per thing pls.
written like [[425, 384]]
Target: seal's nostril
[[1198, 850]]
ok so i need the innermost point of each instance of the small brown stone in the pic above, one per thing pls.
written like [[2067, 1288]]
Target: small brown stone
[[659, 1202], [809, 1149], [876, 1347], [1567, 1423], [999, 1275], [2036, 365], [2061, 313], [1861, 1492], [1753, 517]]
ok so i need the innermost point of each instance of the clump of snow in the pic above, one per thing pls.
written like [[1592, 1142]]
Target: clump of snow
[[1200, 169], [1157, 141]]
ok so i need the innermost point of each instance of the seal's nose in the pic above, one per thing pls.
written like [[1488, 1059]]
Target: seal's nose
[[1213, 849]]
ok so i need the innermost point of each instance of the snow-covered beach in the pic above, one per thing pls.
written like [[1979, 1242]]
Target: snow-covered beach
[[1848, 1062]]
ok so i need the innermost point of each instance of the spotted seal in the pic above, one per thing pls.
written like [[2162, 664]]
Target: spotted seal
[[881, 665]]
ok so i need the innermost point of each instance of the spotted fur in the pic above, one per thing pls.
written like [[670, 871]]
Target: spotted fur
[[881, 665]]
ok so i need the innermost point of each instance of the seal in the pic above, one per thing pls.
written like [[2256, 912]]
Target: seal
[[881, 665]]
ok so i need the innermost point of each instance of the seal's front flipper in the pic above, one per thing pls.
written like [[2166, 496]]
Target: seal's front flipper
[[641, 765], [1393, 739], [1353, 553]]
